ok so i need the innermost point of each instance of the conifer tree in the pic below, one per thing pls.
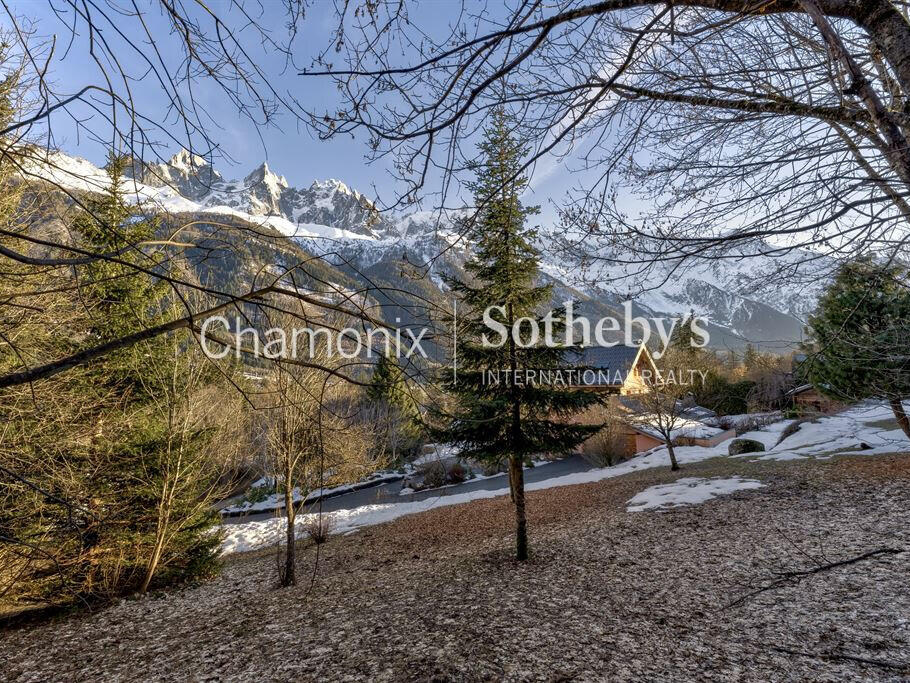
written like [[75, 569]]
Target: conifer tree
[[395, 407], [136, 391], [510, 420], [121, 298], [859, 344], [682, 340], [387, 384]]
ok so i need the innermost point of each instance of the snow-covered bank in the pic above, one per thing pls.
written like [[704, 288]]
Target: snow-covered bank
[[275, 501], [844, 433], [688, 491]]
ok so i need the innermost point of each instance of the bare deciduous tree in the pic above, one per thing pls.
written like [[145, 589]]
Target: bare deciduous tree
[[661, 407], [744, 126], [315, 438]]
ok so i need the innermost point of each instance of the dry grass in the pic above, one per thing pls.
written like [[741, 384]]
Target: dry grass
[[318, 529]]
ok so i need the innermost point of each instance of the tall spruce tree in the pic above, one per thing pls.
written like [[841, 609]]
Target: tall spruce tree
[[859, 344], [510, 420]]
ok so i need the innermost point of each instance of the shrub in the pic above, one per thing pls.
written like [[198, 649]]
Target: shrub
[[609, 445], [756, 422], [259, 493], [318, 528], [598, 453], [723, 396], [490, 468], [740, 446], [457, 473], [434, 474]]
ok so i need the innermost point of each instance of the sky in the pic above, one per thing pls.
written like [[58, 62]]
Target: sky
[[288, 146]]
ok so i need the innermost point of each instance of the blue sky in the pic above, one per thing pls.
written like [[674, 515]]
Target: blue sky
[[289, 147]]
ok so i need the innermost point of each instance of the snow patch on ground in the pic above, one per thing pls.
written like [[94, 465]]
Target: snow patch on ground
[[688, 491], [439, 452]]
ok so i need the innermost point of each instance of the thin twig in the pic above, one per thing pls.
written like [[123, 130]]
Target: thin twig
[[793, 577]]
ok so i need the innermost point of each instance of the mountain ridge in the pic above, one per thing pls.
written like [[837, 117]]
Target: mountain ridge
[[343, 225]]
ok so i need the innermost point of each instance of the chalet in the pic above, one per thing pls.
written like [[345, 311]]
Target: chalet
[[807, 399], [688, 432], [694, 426], [614, 369], [622, 370]]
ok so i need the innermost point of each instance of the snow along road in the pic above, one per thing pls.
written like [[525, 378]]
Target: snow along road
[[865, 429], [388, 493]]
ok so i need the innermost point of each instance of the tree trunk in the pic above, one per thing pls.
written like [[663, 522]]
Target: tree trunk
[[516, 470], [516, 462], [673, 464], [891, 33], [154, 559], [902, 420], [289, 578]]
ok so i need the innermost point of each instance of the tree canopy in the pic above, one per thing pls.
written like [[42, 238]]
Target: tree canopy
[[859, 336]]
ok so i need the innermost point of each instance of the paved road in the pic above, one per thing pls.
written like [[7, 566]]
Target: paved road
[[388, 493]]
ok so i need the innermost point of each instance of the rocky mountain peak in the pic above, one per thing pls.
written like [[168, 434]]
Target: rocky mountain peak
[[187, 162], [263, 174]]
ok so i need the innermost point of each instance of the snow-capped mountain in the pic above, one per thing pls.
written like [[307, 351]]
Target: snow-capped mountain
[[750, 297]]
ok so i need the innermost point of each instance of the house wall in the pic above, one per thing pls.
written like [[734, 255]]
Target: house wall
[[634, 383], [592, 416], [707, 441], [810, 401], [644, 442]]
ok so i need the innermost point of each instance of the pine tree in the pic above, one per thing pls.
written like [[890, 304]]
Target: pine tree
[[682, 339], [119, 298], [397, 411], [509, 420], [859, 336], [387, 384], [139, 392]]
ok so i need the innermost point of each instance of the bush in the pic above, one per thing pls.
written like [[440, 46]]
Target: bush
[[433, 473], [599, 453], [457, 473], [754, 422], [723, 396], [490, 468], [259, 493], [318, 528], [740, 446], [610, 444]]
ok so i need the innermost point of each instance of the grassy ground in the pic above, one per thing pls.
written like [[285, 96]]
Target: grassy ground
[[607, 595]]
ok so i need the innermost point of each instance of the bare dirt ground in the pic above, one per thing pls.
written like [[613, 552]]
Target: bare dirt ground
[[608, 595]]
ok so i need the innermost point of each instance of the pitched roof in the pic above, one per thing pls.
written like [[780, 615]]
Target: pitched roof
[[615, 361], [800, 389], [692, 429], [697, 412]]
